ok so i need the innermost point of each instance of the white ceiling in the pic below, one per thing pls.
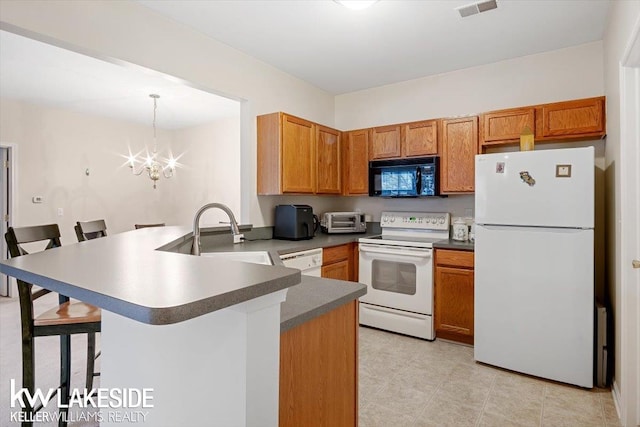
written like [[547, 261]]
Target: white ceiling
[[42, 74], [319, 41], [342, 50]]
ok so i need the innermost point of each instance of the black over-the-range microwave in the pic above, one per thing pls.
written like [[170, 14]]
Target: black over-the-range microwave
[[417, 177]]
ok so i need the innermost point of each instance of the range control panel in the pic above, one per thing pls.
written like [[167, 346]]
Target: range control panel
[[416, 220]]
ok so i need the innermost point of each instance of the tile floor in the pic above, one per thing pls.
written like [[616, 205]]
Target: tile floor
[[406, 381], [403, 382]]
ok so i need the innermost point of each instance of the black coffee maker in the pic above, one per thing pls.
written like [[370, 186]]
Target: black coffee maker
[[294, 222]]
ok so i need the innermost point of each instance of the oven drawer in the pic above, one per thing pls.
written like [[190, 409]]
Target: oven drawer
[[454, 258]]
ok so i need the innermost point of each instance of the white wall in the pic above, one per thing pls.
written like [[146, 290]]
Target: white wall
[[55, 147], [560, 75], [129, 32], [211, 172], [547, 77], [622, 19]]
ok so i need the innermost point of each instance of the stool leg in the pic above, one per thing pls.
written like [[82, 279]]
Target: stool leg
[[91, 359], [65, 377], [28, 375]]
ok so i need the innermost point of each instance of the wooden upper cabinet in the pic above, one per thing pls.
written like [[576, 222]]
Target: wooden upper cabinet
[[355, 165], [298, 155], [579, 118], [419, 138], [385, 142], [459, 147], [328, 161], [506, 125]]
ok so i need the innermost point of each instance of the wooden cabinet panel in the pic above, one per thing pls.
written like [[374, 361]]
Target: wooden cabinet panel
[[420, 138], [454, 295], [336, 253], [455, 258], [337, 270], [572, 118], [328, 161], [355, 166], [385, 142], [454, 304], [298, 155], [319, 371], [355, 263], [506, 125], [459, 147], [337, 262], [269, 165]]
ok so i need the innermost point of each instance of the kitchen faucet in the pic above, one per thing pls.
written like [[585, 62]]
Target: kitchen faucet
[[237, 236]]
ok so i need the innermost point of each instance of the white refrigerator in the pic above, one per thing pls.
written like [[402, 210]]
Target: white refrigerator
[[534, 263]]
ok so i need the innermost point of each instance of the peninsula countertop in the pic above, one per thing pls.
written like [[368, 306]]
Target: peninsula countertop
[[125, 274]]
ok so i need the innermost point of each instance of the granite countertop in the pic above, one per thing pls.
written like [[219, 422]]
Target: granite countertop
[[277, 247], [314, 296], [125, 274], [454, 244]]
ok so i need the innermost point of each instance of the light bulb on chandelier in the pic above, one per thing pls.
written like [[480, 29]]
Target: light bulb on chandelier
[[151, 164]]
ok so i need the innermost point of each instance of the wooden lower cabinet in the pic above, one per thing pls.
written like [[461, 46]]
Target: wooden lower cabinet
[[453, 294], [337, 270], [319, 371], [338, 262]]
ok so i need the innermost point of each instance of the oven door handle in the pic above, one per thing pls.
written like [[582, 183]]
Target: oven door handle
[[412, 252]]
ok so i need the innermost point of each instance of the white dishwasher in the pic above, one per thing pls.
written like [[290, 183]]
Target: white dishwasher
[[308, 262]]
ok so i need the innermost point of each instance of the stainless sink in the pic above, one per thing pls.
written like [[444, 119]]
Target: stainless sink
[[253, 257]]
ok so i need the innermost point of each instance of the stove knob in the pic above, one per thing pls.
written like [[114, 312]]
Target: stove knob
[[392, 219], [441, 221]]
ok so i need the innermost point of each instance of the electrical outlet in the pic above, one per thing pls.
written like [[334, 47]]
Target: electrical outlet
[[60, 211], [37, 199]]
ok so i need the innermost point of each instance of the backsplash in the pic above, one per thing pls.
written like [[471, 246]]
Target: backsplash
[[457, 206]]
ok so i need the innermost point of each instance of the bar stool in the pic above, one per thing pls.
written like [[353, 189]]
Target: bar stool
[[64, 319], [89, 230]]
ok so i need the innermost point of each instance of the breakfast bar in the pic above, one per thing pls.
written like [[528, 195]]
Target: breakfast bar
[[201, 333]]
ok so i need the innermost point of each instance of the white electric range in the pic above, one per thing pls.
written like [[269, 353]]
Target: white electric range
[[397, 268]]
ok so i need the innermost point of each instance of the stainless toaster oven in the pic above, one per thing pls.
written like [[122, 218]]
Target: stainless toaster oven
[[343, 222]]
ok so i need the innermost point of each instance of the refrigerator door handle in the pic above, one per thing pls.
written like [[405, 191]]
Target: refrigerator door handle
[[532, 229]]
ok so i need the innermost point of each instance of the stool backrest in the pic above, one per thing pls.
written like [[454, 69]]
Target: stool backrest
[[17, 236], [88, 230]]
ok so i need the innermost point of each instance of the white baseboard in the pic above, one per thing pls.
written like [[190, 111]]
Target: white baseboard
[[615, 393]]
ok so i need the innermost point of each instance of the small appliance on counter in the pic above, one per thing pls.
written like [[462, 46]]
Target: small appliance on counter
[[294, 222], [343, 222], [460, 230]]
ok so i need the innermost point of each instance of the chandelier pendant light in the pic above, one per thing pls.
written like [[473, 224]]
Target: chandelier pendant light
[[151, 164]]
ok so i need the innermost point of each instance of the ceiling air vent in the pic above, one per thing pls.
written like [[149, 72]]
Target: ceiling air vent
[[474, 8]]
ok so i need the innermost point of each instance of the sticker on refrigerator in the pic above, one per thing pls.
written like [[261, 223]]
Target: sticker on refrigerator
[[563, 171], [527, 179], [500, 167]]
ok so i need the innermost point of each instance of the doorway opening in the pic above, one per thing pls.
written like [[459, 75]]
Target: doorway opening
[[6, 190]]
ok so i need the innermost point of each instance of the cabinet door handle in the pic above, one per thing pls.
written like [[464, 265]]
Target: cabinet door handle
[[635, 263]]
